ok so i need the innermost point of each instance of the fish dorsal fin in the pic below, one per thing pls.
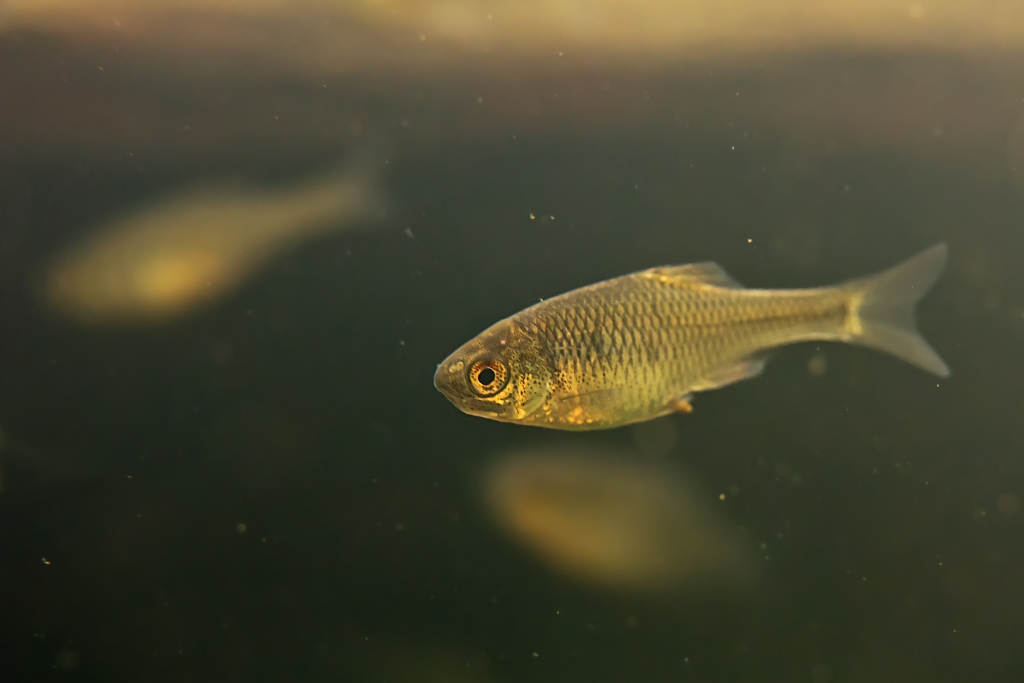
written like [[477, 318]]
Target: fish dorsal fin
[[705, 273]]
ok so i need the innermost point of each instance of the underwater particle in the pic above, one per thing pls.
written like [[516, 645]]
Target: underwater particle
[[817, 365], [241, 528], [1007, 503]]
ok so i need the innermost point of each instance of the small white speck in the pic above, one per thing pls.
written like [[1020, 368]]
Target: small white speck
[[750, 240], [532, 217], [536, 655], [721, 496], [46, 561]]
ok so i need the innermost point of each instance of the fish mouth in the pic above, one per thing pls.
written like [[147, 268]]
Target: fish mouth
[[438, 377], [445, 378]]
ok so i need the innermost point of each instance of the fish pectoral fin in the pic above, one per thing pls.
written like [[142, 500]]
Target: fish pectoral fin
[[681, 404], [531, 406], [706, 273], [730, 374]]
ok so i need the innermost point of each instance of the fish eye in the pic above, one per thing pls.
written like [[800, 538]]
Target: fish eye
[[488, 376]]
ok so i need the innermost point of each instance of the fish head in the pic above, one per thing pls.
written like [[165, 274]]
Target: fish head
[[501, 375]]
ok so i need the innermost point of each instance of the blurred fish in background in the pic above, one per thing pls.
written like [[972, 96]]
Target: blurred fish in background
[[359, 55], [644, 28], [615, 520], [162, 260]]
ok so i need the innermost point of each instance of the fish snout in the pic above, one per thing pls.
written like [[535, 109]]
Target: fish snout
[[448, 379]]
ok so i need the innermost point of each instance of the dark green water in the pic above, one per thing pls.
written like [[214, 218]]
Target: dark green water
[[302, 408]]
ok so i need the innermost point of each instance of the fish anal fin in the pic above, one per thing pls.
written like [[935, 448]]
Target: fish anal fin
[[747, 368], [681, 404], [704, 273]]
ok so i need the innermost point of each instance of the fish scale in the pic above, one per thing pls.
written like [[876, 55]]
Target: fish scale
[[680, 333]]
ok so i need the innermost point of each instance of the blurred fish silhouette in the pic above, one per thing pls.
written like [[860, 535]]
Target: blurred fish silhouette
[[615, 521], [161, 261]]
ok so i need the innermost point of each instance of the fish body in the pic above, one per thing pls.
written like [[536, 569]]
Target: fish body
[[615, 520], [163, 260], [637, 347]]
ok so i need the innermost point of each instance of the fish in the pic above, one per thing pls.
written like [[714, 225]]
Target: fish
[[161, 261], [639, 346], [612, 519]]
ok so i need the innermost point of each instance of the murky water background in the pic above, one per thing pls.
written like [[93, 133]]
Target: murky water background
[[272, 489]]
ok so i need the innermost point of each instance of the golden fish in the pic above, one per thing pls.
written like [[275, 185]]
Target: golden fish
[[161, 261], [639, 346], [615, 520]]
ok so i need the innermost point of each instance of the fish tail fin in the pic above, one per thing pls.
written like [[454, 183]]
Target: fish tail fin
[[354, 185], [880, 309], [365, 169]]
